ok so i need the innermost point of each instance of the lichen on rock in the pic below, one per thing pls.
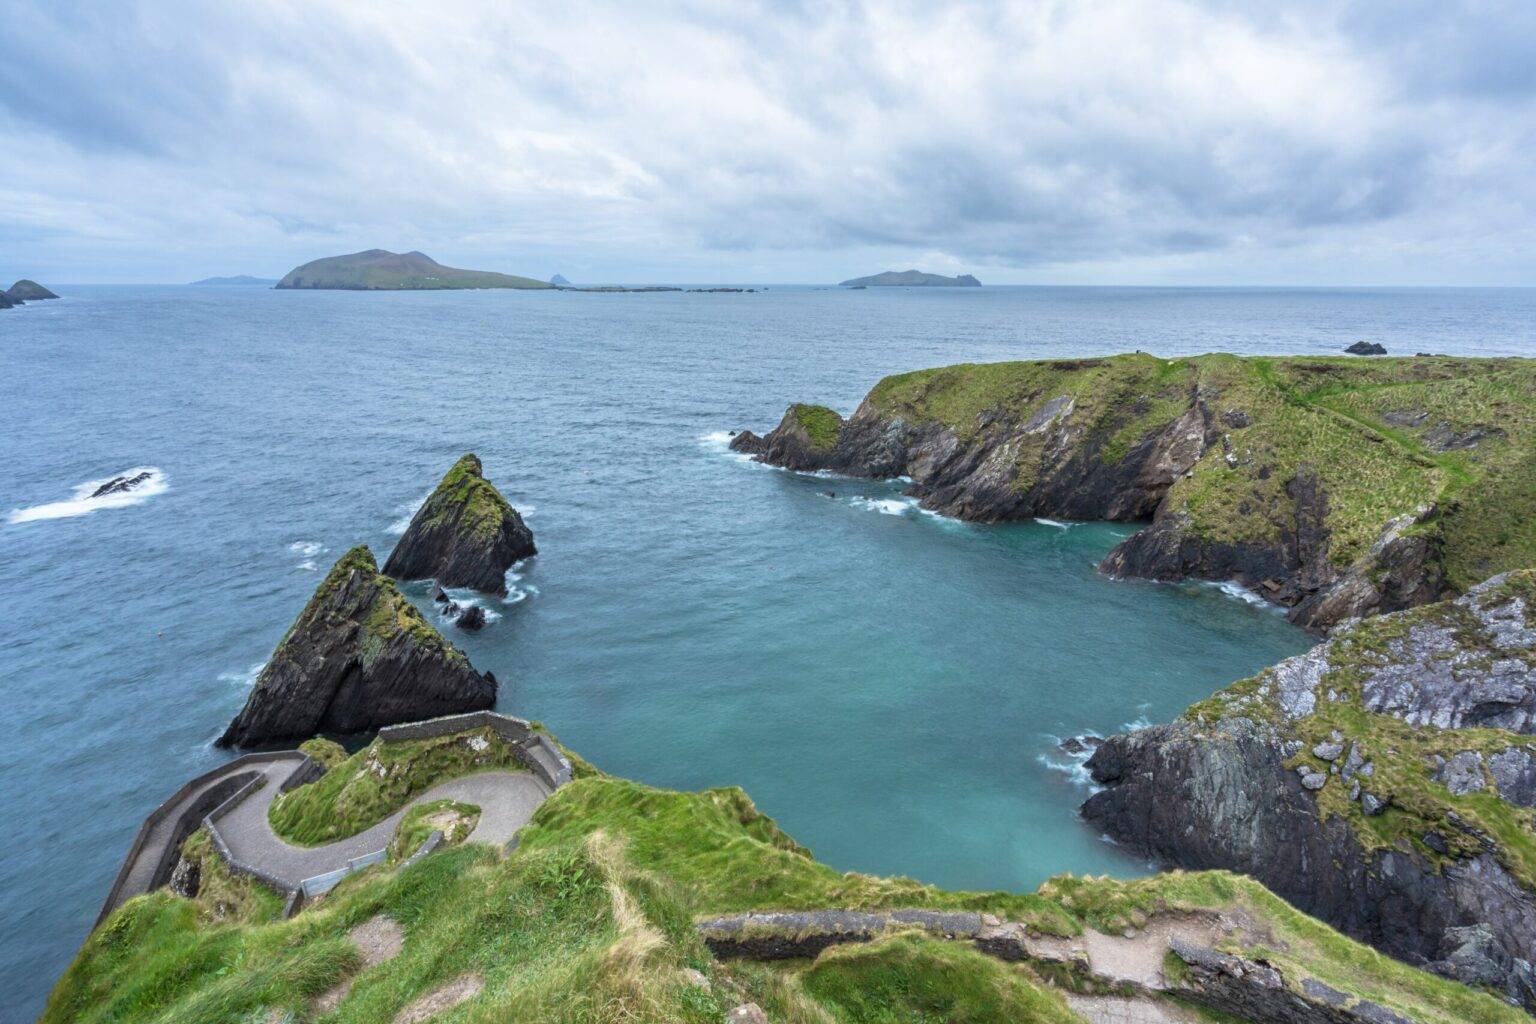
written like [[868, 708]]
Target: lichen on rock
[[359, 657], [465, 534], [1382, 781]]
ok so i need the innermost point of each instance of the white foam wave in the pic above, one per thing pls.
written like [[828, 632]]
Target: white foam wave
[[1053, 522], [307, 548], [885, 506], [82, 503], [1073, 766], [406, 513], [466, 598], [308, 565], [719, 442], [243, 678], [1232, 588]]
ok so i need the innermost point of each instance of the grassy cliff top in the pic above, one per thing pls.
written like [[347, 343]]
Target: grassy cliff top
[[381, 270], [591, 919], [821, 425], [1384, 438]]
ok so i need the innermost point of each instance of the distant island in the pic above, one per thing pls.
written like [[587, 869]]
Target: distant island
[[559, 281], [22, 292], [242, 280], [911, 279], [381, 270]]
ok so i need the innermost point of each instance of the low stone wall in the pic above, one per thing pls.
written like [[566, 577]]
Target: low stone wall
[[160, 813], [537, 750]]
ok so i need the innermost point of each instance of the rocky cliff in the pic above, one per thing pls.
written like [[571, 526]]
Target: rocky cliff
[[1335, 487], [358, 658], [464, 535], [1384, 781]]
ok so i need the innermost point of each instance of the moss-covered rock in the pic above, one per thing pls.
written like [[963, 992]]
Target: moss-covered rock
[[464, 535], [1336, 486], [805, 439], [1383, 781], [359, 657]]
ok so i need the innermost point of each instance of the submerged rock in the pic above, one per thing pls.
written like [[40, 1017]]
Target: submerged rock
[[359, 657], [1244, 782], [119, 484], [471, 618], [464, 535]]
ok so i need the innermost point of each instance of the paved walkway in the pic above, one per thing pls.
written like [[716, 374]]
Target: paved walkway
[[507, 800]]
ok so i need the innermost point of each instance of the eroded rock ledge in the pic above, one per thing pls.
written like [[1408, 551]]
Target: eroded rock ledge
[[1382, 781], [464, 535], [359, 657], [1172, 955], [1335, 487]]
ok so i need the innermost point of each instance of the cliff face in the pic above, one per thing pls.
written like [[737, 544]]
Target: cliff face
[[358, 658], [464, 535], [1335, 487], [1382, 781]]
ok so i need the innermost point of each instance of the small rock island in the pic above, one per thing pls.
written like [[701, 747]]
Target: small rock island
[[464, 535], [381, 270], [910, 279], [359, 657]]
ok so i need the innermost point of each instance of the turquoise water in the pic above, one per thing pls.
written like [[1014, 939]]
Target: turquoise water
[[885, 683]]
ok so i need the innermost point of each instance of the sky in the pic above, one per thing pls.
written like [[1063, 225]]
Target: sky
[[1034, 142]]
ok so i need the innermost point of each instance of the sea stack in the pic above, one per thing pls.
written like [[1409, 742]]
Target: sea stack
[[464, 535], [805, 439], [359, 657]]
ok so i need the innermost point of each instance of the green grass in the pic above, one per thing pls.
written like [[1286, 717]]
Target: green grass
[[590, 920], [821, 425], [910, 979], [1325, 419], [378, 780], [453, 819], [1403, 755]]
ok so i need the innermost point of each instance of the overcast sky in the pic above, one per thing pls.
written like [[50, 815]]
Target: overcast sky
[[1149, 141]]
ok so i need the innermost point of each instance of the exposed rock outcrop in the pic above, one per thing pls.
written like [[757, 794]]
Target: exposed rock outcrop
[[1267, 472], [358, 658], [121, 484], [464, 535], [747, 443], [1289, 776], [1367, 348]]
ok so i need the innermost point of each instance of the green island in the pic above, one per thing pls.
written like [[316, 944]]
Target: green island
[[382, 270]]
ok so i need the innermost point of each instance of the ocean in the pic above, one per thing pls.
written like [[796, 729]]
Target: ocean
[[889, 685]]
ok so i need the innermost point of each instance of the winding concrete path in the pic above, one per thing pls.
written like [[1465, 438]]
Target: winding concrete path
[[507, 800]]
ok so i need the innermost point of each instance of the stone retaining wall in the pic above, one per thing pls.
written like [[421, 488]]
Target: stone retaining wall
[[536, 750], [159, 814]]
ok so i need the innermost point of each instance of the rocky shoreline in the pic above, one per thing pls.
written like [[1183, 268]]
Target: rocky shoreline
[[1384, 781], [1325, 485]]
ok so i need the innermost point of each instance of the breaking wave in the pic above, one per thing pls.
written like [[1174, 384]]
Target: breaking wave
[[85, 499], [406, 513]]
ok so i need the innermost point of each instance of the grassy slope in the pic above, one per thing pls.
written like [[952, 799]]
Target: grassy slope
[[1402, 754], [378, 780], [822, 425], [591, 920], [1326, 414]]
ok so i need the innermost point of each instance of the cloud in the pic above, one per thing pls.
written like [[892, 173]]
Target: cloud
[[1045, 140]]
